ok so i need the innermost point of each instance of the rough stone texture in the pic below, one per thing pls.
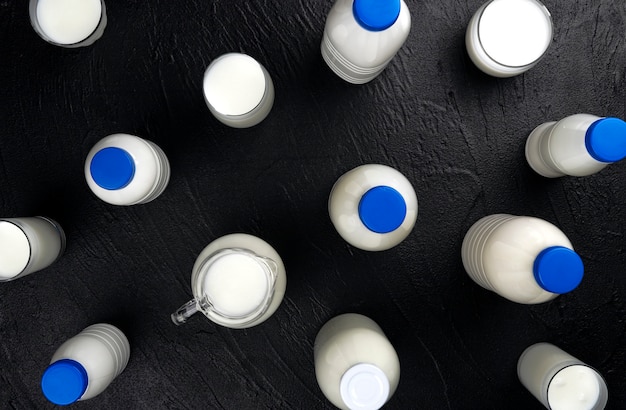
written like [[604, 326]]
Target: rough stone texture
[[457, 134]]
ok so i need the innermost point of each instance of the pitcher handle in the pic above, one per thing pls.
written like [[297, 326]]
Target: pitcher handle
[[184, 312]]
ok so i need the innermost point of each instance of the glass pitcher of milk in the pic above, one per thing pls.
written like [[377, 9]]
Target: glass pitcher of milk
[[238, 281]]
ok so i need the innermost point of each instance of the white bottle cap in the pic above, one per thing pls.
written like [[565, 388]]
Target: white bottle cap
[[14, 250], [364, 387], [515, 33]]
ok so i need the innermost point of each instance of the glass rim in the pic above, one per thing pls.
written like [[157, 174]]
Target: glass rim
[[546, 13]]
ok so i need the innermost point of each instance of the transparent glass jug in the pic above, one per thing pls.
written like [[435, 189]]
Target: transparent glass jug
[[238, 281]]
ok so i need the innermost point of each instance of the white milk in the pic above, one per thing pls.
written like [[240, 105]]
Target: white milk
[[578, 145], [508, 37], [68, 22], [28, 245], [236, 284], [86, 364], [238, 281], [355, 364], [123, 169], [238, 90], [358, 54], [559, 380], [373, 224], [524, 259]]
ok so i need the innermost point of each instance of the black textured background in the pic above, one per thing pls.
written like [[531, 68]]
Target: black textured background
[[457, 134]]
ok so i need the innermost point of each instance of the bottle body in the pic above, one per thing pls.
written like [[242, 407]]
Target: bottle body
[[352, 354], [102, 350], [68, 23], [505, 38], [373, 207], [28, 245], [238, 281], [355, 53], [123, 169], [238, 90], [566, 147], [512, 256], [559, 380]]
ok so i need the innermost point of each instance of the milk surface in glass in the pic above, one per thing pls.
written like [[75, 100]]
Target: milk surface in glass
[[68, 21]]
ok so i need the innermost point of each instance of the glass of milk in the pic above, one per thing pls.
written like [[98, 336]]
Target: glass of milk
[[238, 90], [559, 380], [505, 38], [238, 281], [28, 245], [68, 23]]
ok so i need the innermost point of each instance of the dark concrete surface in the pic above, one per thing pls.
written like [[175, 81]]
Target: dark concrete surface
[[457, 134]]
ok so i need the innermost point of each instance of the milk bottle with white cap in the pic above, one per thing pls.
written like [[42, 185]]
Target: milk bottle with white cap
[[505, 38], [355, 364], [578, 145], [28, 245], [559, 380], [85, 365], [373, 207], [123, 169], [238, 281], [524, 259], [362, 36], [68, 23]]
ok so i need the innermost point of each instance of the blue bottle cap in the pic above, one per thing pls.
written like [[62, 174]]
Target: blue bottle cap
[[606, 140], [376, 15], [64, 382], [382, 209], [112, 168], [558, 269]]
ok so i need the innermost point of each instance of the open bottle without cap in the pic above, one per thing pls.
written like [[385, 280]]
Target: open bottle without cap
[[559, 380], [68, 23], [355, 364], [524, 259], [28, 245], [238, 281], [577, 145]]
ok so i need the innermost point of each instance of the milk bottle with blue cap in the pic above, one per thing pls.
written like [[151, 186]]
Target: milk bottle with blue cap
[[123, 169], [524, 259], [85, 365], [362, 36], [578, 145], [355, 364], [373, 207]]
